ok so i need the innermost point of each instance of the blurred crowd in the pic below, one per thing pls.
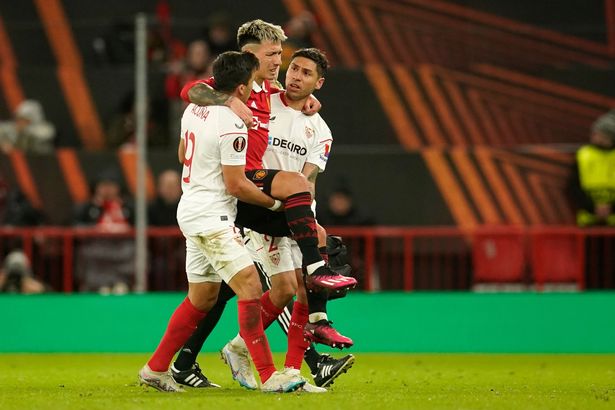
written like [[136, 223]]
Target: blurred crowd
[[28, 130], [174, 60], [179, 61], [103, 264], [106, 265]]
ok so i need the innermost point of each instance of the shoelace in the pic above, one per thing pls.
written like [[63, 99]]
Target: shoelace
[[328, 324], [199, 373], [323, 358]]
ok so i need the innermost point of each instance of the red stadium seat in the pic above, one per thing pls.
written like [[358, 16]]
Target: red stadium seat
[[557, 258], [499, 256]]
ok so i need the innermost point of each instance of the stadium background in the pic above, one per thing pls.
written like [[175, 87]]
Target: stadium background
[[463, 114]]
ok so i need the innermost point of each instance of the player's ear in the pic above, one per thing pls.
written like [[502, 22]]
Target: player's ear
[[319, 83], [242, 90]]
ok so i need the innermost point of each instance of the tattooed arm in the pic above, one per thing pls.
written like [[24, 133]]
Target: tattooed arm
[[311, 172], [203, 94]]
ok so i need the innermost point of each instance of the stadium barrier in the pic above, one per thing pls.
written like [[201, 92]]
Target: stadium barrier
[[523, 322], [383, 258]]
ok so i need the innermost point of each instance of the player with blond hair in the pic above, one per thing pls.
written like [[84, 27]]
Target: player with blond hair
[[213, 150]]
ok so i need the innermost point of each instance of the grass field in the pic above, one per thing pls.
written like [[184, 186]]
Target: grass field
[[377, 381]]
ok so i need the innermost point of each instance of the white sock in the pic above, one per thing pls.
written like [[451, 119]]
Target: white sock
[[315, 317], [312, 267]]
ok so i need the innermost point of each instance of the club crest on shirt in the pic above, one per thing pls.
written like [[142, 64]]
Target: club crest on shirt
[[260, 174], [309, 132], [239, 144], [275, 258]]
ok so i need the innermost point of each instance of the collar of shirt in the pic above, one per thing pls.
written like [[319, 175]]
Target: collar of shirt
[[257, 88]]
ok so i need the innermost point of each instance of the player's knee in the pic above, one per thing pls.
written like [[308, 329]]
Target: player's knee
[[300, 183], [205, 304], [302, 295], [283, 292], [202, 300], [289, 183], [246, 284]]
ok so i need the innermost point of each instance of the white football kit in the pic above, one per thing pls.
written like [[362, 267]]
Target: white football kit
[[213, 136], [294, 139]]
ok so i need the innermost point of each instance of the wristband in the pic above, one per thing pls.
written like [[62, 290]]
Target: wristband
[[276, 205]]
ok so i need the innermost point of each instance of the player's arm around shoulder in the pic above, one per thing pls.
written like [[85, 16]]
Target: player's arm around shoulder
[[312, 106], [201, 92], [204, 94]]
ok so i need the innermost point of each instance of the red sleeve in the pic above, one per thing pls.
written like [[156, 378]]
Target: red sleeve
[[184, 94]]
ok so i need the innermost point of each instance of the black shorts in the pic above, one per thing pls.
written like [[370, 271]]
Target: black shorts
[[262, 178], [257, 218]]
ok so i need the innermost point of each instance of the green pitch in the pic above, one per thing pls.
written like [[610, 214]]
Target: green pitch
[[377, 381]]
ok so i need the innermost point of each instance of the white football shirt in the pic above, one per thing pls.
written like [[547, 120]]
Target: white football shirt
[[295, 138], [213, 136]]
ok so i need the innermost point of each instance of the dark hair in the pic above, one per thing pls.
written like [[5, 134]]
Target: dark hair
[[316, 56], [233, 68]]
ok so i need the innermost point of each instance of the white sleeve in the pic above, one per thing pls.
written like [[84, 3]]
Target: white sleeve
[[233, 139], [321, 143]]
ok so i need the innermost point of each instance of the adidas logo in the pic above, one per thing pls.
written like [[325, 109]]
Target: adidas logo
[[193, 380], [326, 370], [335, 281]]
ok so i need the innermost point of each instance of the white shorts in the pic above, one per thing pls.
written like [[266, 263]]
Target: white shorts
[[297, 255], [274, 253], [215, 255]]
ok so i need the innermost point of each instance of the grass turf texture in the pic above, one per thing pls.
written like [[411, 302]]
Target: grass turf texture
[[377, 381]]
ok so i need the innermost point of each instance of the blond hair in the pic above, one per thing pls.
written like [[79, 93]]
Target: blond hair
[[259, 31]]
